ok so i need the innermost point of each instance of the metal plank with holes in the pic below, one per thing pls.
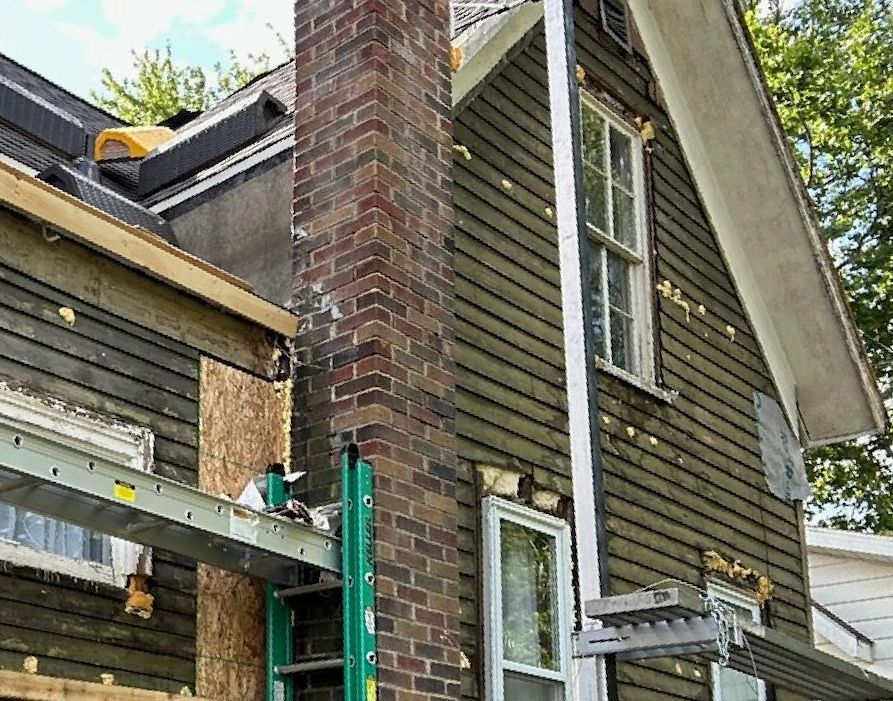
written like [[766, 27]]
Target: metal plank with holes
[[671, 623], [71, 485]]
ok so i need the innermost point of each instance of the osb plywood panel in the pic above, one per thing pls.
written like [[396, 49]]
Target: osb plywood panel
[[243, 427]]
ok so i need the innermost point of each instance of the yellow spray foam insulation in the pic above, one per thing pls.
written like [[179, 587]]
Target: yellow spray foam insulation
[[697, 673], [630, 431], [548, 212], [606, 420], [186, 691], [646, 129], [463, 151], [464, 662], [702, 310], [455, 58], [507, 184], [667, 291], [29, 665], [581, 74], [140, 602], [67, 315], [731, 331], [652, 440], [679, 668], [107, 679]]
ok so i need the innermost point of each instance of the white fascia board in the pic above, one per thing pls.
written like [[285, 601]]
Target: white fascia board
[[853, 646], [285, 143], [830, 541], [485, 44], [761, 216]]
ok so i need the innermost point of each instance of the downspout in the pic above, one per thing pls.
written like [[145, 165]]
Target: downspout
[[579, 348]]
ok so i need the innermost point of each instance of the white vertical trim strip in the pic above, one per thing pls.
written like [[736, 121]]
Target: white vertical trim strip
[[495, 510], [589, 673]]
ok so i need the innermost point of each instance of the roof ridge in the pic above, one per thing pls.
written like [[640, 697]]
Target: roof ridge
[[80, 99]]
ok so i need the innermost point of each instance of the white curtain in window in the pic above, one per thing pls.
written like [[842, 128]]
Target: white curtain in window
[[47, 534]]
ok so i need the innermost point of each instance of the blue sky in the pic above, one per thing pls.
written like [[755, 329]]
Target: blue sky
[[70, 41]]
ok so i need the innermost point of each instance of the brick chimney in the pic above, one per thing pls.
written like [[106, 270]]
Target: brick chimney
[[373, 276]]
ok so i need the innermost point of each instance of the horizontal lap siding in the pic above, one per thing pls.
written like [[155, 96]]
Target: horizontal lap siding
[[701, 485], [108, 364], [509, 353]]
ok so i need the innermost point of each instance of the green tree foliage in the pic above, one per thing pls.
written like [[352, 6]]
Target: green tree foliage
[[160, 87], [829, 64]]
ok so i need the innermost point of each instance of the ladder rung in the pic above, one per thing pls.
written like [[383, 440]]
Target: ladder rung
[[308, 589], [310, 665]]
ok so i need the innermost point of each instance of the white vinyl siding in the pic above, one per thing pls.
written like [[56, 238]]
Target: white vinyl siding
[[860, 592]]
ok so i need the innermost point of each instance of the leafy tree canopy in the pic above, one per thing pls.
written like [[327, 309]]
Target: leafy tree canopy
[[161, 87], [829, 64]]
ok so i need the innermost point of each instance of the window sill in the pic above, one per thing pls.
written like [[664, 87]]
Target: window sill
[[23, 556], [648, 387]]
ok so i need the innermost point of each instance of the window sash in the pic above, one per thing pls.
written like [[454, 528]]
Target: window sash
[[637, 364], [494, 512], [737, 601]]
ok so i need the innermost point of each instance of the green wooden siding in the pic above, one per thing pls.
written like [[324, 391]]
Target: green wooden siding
[[701, 486], [119, 367]]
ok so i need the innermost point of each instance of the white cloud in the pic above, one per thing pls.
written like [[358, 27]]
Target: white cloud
[[43, 5], [249, 32], [134, 24]]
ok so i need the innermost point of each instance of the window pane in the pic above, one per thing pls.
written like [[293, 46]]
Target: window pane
[[618, 283], [625, 219], [522, 688], [595, 189], [596, 299], [736, 686], [47, 534], [593, 128], [529, 616], [621, 159], [622, 349]]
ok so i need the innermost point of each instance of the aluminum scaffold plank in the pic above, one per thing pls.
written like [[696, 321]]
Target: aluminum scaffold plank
[[65, 483]]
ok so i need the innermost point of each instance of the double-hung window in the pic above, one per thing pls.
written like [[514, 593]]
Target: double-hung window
[[614, 188], [33, 540], [730, 684], [527, 603]]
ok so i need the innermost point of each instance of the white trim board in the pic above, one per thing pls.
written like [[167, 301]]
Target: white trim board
[[485, 44], [829, 541], [741, 166], [841, 637]]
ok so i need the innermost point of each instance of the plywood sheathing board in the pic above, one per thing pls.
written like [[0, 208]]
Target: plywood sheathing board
[[18, 686], [105, 283], [243, 427], [139, 248]]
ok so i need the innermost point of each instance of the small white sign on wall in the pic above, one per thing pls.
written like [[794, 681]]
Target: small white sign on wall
[[780, 451]]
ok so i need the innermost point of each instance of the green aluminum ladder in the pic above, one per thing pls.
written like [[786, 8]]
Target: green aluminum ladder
[[359, 659]]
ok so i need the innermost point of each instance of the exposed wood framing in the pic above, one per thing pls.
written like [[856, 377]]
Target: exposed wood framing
[[139, 248], [19, 686]]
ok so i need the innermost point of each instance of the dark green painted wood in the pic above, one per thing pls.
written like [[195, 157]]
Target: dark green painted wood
[[108, 364], [701, 486]]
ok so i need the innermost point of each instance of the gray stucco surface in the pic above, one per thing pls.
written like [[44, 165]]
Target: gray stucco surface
[[246, 230]]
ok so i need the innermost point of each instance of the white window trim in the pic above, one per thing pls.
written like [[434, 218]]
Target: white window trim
[[107, 439], [641, 289], [727, 594], [494, 511]]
